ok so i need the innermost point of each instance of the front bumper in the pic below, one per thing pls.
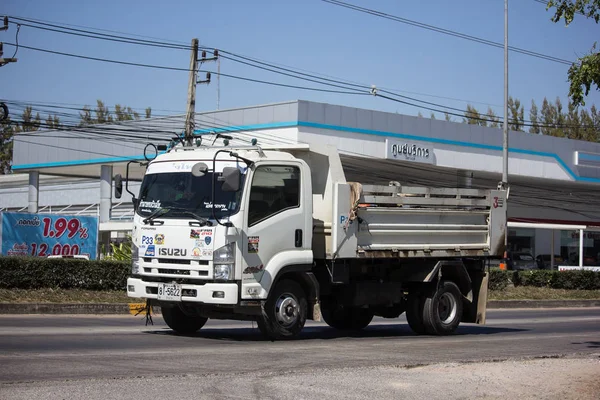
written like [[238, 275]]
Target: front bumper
[[203, 293]]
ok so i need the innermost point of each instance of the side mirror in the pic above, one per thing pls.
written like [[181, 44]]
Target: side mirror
[[199, 169], [231, 179], [118, 186]]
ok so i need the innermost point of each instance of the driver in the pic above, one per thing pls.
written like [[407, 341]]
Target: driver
[[181, 191]]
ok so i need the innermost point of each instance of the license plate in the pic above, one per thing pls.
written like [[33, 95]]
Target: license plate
[[169, 292]]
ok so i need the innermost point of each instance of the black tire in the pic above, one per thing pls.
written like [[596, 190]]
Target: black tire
[[414, 313], [284, 312], [347, 318], [443, 310], [180, 322]]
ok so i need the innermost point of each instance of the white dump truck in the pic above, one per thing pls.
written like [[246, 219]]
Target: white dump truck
[[282, 234]]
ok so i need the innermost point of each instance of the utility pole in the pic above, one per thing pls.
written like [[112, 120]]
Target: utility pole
[[190, 118], [4, 61], [218, 82], [505, 125]]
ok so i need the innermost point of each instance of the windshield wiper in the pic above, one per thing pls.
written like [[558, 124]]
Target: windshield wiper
[[203, 221], [158, 213]]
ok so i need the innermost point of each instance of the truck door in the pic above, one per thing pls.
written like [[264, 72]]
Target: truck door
[[276, 222]]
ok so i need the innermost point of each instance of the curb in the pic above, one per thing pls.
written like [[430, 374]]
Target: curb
[[500, 304], [124, 308]]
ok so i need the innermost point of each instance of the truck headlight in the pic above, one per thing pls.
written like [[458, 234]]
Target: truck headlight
[[223, 262], [135, 259], [222, 271]]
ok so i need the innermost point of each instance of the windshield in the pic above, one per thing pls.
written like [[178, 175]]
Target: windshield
[[182, 193]]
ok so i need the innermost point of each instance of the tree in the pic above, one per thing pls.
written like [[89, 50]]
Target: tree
[[560, 120], [102, 113], [548, 117], [125, 113], [472, 117], [52, 122], [447, 117], [517, 114], [573, 124], [493, 119], [533, 117], [29, 123], [420, 115], [432, 116], [85, 116], [6, 145], [584, 73]]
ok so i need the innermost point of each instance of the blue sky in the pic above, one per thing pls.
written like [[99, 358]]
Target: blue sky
[[310, 35]]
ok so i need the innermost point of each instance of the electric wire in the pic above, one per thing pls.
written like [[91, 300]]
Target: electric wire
[[446, 31]]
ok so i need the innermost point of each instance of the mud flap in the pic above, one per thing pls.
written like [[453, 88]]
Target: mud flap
[[317, 312], [475, 310]]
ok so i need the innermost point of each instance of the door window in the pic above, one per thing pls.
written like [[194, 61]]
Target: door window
[[274, 189]]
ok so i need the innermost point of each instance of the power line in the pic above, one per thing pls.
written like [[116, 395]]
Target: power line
[[98, 30], [445, 31], [102, 59], [286, 85], [181, 69], [171, 44], [96, 35]]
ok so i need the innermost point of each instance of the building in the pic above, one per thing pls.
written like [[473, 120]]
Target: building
[[554, 182]]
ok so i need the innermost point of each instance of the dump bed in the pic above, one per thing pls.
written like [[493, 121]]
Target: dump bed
[[371, 221]]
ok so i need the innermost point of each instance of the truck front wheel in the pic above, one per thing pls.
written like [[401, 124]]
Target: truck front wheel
[[180, 322], [285, 311]]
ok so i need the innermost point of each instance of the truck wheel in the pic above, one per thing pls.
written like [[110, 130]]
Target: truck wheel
[[347, 319], [414, 313], [180, 322], [284, 312], [442, 311]]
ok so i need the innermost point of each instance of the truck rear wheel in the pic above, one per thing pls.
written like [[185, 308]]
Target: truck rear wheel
[[180, 322], [442, 311], [347, 318], [284, 312], [414, 313]]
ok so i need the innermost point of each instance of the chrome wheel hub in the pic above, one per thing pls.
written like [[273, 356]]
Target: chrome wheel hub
[[447, 308], [287, 310]]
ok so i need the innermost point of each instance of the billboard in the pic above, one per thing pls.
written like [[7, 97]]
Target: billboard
[[42, 235]]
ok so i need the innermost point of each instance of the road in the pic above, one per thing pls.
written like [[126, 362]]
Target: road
[[43, 356]]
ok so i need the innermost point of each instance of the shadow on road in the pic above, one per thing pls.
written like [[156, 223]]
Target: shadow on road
[[325, 333], [591, 345]]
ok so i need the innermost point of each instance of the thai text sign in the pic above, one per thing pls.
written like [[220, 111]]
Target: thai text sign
[[408, 151], [42, 235]]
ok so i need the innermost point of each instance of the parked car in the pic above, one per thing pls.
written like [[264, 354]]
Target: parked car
[[519, 260], [587, 260], [543, 261]]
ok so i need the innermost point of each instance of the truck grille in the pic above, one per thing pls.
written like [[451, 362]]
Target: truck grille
[[174, 261]]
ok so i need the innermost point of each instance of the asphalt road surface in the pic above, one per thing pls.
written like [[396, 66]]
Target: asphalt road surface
[[548, 353]]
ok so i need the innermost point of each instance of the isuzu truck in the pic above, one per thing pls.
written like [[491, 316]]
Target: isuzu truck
[[284, 233]]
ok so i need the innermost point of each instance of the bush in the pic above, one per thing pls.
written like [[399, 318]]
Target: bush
[[36, 273], [570, 280], [498, 279]]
